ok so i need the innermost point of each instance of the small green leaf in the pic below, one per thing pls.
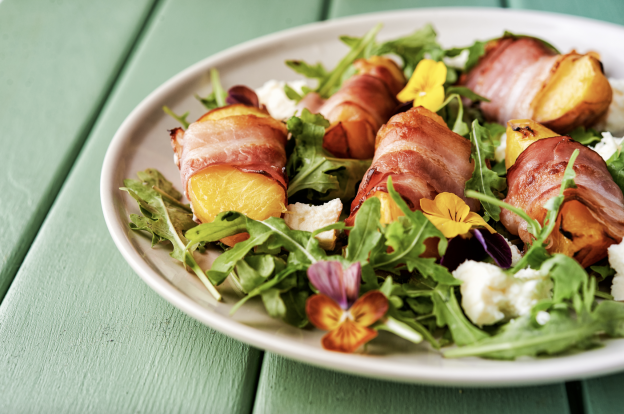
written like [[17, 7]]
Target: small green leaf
[[484, 180]]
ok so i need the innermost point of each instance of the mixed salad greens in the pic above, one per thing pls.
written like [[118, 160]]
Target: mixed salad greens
[[421, 299]]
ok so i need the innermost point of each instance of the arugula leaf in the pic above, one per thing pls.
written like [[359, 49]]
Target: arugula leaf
[[484, 180], [292, 94], [459, 126], [312, 168], [216, 99], [412, 48], [180, 118], [448, 313], [615, 165], [317, 71], [406, 237], [467, 93], [165, 218], [585, 136], [475, 51], [568, 277], [329, 82], [524, 337], [295, 302], [365, 235], [273, 233]]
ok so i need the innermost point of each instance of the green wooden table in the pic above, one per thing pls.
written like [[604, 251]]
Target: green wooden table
[[79, 331]]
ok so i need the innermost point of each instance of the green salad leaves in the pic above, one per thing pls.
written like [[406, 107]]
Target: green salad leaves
[[164, 217], [312, 168]]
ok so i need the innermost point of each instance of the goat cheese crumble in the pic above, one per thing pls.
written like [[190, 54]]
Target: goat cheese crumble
[[309, 218], [499, 154], [608, 145], [272, 95], [616, 260], [489, 295]]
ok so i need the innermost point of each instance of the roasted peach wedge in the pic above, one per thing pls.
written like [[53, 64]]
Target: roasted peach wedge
[[577, 94], [225, 187], [520, 134], [579, 235]]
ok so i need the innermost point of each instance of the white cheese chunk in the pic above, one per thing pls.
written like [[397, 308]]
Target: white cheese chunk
[[499, 154], [608, 145], [272, 95], [489, 295], [309, 218], [616, 260]]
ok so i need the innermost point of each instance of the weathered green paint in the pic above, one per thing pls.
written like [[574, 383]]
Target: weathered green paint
[[341, 8], [292, 387], [604, 395], [79, 331], [58, 61], [607, 10]]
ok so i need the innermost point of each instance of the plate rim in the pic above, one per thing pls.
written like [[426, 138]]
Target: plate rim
[[554, 369]]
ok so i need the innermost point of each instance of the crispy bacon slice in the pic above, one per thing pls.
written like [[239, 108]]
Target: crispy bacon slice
[[523, 78], [424, 158], [592, 216], [248, 142], [510, 75], [360, 107]]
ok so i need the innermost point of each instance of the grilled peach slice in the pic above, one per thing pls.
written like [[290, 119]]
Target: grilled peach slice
[[578, 93], [579, 235], [520, 134], [224, 187]]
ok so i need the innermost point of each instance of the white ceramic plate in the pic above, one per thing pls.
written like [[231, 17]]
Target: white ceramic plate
[[142, 141]]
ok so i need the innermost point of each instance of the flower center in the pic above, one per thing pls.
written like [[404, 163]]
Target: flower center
[[422, 93]]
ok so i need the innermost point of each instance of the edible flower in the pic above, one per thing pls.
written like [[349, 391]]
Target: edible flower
[[470, 237], [337, 309], [451, 215], [426, 86]]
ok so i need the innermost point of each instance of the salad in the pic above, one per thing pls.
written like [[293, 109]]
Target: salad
[[469, 196]]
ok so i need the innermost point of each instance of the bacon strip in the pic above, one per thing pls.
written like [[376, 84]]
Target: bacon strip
[[248, 142], [359, 108], [424, 158], [510, 75], [536, 177]]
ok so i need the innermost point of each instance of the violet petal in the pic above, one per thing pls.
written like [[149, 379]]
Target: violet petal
[[352, 278], [327, 276], [240, 94], [495, 246], [459, 250]]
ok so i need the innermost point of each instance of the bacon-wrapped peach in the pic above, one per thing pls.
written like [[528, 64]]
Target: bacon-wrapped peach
[[523, 78], [361, 106], [424, 158], [233, 158], [592, 215]]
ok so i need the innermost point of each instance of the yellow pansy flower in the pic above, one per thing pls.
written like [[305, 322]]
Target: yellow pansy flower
[[425, 86], [451, 215]]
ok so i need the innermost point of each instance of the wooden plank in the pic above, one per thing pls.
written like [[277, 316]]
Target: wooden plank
[[79, 331], [603, 395], [341, 8], [607, 10], [292, 387], [58, 61]]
